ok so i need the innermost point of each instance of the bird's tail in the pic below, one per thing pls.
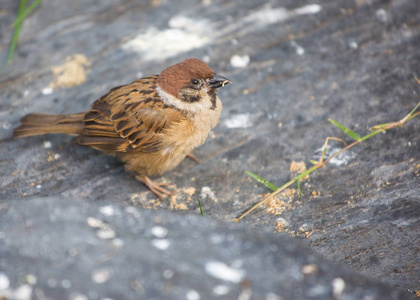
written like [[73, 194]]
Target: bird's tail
[[37, 124]]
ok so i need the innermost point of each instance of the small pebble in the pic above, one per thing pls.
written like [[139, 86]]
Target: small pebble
[[239, 61], [159, 231], [101, 276], [161, 244], [47, 91], [4, 282]]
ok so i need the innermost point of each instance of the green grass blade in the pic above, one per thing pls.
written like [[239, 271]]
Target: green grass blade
[[371, 134], [26, 12], [263, 181], [298, 188], [16, 32], [414, 109], [355, 136], [382, 126], [314, 162], [201, 209]]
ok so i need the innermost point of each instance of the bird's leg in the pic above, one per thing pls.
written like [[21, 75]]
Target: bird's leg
[[193, 157], [155, 187]]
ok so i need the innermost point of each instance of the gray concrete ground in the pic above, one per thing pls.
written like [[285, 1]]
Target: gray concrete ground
[[294, 64]]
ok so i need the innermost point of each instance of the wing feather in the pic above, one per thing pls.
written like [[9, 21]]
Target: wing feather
[[128, 118]]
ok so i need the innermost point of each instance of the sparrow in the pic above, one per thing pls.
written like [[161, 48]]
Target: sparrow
[[151, 124]]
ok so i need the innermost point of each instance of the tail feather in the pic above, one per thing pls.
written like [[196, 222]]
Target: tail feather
[[37, 124]]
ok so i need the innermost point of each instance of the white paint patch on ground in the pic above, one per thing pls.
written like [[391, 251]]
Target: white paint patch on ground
[[24, 292], [206, 192], [382, 15], [47, 144], [100, 276], [183, 34], [221, 290], [161, 244], [192, 295], [338, 285], [159, 231], [4, 282], [238, 61], [107, 210], [239, 121], [340, 160], [47, 91], [268, 15], [186, 33], [309, 9], [222, 271], [299, 49]]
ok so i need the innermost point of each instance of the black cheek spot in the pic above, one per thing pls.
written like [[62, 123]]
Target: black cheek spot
[[213, 95], [190, 98]]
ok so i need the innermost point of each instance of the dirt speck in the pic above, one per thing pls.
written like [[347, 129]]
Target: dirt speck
[[71, 73]]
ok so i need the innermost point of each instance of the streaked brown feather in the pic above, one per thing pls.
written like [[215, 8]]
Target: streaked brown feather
[[35, 124], [133, 114]]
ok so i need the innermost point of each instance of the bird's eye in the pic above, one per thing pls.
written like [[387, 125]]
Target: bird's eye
[[195, 81]]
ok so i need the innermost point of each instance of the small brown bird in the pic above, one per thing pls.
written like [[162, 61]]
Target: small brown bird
[[151, 124]]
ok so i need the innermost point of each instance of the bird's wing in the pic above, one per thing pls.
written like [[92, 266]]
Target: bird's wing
[[128, 118]]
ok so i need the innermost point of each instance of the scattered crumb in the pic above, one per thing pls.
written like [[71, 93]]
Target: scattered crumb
[[153, 204], [304, 227], [71, 73], [307, 229], [173, 204], [297, 168], [249, 90], [52, 156], [308, 234], [316, 194], [280, 224], [288, 193], [189, 190], [134, 198], [276, 206], [280, 124], [310, 269]]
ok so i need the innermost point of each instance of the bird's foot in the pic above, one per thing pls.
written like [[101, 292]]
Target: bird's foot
[[155, 187]]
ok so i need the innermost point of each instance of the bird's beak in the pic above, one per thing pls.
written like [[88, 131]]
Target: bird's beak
[[218, 81]]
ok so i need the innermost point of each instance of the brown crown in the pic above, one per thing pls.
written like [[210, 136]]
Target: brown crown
[[173, 78]]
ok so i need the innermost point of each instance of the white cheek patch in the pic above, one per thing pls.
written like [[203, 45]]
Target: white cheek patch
[[194, 107]]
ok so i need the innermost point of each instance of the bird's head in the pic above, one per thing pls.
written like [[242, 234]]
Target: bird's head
[[190, 85]]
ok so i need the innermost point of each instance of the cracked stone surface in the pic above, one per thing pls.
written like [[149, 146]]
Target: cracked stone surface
[[294, 65]]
